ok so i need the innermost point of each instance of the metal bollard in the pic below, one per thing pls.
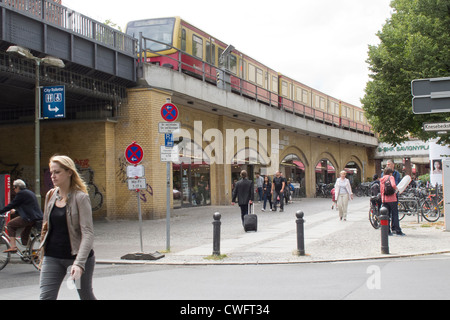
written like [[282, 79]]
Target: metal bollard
[[216, 234], [384, 221], [300, 233]]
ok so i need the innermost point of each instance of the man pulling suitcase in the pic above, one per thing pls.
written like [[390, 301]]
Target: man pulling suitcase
[[244, 192]]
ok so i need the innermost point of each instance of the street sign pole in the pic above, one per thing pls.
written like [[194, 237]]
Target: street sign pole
[[140, 218], [168, 164], [169, 112], [136, 181]]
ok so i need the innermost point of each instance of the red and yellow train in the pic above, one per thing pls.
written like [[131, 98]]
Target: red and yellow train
[[176, 40]]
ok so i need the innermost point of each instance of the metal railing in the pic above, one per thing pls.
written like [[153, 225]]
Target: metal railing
[[60, 16], [208, 73]]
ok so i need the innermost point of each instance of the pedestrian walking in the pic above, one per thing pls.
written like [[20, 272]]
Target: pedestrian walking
[[67, 232], [25, 212], [243, 191], [259, 186], [333, 199], [388, 190], [278, 186], [343, 193], [267, 196]]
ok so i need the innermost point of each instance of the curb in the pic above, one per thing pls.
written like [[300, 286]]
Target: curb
[[224, 263]]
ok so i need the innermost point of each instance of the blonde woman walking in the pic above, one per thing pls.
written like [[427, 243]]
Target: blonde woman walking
[[344, 193], [67, 232]]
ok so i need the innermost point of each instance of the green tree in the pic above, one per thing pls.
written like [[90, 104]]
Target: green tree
[[414, 44]]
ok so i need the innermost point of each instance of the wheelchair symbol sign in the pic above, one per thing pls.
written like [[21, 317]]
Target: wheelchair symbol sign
[[53, 104]]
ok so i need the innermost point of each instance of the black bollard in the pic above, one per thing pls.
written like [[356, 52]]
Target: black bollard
[[384, 221], [300, 233], [216, 234]]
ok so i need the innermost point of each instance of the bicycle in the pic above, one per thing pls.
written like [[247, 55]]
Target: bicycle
[[419, 201], [363, 190], [433, 206], [28, 253], [374, 211]]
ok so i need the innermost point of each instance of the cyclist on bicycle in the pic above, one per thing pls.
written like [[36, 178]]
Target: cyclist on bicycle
[[25, 212]]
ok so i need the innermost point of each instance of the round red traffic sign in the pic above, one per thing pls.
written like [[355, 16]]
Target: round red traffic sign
[[169, 112], [134, 153]]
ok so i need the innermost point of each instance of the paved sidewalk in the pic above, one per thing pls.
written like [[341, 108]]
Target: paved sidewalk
[[326, 237]]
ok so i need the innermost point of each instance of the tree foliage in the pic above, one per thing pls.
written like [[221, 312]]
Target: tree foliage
[[414, 44]]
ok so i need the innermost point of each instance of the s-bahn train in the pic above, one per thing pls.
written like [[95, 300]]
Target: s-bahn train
[[200, 54]]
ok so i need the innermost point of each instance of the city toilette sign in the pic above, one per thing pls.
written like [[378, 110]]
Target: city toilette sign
[[53, 102]]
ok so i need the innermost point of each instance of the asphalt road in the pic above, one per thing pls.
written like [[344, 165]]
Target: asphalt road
[[426, 277]]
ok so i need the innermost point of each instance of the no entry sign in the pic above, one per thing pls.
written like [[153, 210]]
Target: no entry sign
[[134, 153], [169, 112]]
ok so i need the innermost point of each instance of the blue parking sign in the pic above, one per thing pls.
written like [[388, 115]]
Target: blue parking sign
[[53, 102], [168, 138]]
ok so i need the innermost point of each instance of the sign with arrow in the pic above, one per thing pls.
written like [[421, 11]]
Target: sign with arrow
[[53, 102]]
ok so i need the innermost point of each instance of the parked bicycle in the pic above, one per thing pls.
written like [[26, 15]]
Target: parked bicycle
[[323, 190], [363, 190], [28, 253], [420, 202], [374, 211]]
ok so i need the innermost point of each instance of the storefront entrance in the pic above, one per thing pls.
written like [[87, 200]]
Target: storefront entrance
[[191, 185], [191, 179]]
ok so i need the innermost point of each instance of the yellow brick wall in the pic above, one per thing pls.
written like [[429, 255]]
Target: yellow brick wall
[[85, 143], [99, 150]]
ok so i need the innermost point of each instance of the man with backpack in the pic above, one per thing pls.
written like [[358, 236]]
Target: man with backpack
[[388, 190]]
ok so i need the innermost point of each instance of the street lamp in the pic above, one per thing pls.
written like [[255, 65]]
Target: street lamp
[[51, 61]]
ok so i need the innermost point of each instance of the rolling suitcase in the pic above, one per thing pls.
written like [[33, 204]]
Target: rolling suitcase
[[251, 219]]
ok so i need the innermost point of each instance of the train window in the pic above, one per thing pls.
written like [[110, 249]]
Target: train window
[[284, 89], [251, 73], [183, 40], [259, 77], [155, 29], [219, 54], [274, 84], [305, 96], [210, 52], [197, 46], [298, 94], [322, 103], [232, 64]]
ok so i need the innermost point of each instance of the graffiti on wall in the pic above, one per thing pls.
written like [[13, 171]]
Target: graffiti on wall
[[121, 174], [18, 171]]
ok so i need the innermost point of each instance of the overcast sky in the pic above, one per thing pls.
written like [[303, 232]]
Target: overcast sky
[[321, 43]]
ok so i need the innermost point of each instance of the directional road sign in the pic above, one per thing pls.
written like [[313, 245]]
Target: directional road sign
[[441, 126], [53, 102], [134, 153], [431, 95], [169, 112]]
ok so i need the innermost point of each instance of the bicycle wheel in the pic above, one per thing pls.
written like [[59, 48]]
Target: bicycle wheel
[[373, 217], [35, 252], [4, 257], [401, 211], [430, 211]]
